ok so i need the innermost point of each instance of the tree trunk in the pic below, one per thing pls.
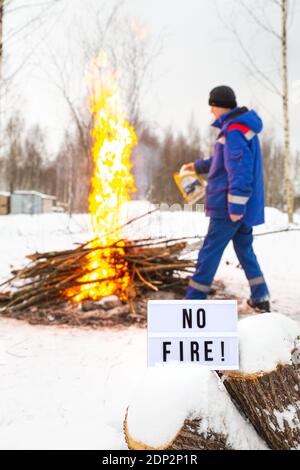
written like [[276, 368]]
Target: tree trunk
[[1, 60], [285, 101], [271, 401], [70, 185], [187, 438], [1, 37]]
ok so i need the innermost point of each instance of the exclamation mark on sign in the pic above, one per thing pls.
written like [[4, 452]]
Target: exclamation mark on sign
[[222, 351]]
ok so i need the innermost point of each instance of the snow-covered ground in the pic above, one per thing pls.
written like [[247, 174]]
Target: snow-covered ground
[[278, 254], [69, 388], [64, 388]]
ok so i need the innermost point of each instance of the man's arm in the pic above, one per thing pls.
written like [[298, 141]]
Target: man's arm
[[202, 166], [239, 162]]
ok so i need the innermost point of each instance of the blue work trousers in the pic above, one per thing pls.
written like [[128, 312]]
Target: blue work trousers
[[220, 233]]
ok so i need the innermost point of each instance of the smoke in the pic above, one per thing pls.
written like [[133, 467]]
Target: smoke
[[144, 158]]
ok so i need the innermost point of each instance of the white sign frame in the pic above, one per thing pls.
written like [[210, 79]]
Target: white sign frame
[[204, 332]]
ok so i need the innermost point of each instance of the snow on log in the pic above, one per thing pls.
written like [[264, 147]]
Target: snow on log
[[267, 387], [185, 406]]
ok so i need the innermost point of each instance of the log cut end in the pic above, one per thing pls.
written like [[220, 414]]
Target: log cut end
[[182, 407], [188, 437], [133, 444]]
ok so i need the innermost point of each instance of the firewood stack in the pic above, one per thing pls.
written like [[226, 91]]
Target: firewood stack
[[153, 264]]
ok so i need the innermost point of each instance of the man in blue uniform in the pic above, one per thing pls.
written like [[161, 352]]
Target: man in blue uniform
[[234, 197]]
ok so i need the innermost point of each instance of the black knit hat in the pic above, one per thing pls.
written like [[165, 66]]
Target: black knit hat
[[222, 97]]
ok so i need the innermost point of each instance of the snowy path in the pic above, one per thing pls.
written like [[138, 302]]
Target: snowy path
[[279, 256], [66, 388]]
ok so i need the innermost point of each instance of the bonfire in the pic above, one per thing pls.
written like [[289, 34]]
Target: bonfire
[[108, 264]]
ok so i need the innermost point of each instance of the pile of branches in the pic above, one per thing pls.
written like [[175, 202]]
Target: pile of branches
[[153, 264]]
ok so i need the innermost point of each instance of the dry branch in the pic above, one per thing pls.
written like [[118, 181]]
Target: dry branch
[[152, 264]]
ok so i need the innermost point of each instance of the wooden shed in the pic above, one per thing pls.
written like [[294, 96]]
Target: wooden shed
[[4, 203], [48, 202], [31, 202]]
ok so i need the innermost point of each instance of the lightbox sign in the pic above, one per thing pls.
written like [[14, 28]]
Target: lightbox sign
[[196, 331]]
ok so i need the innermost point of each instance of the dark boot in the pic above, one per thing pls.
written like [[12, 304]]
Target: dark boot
[[262, 307]]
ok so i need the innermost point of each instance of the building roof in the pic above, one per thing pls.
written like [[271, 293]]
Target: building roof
[[35, 193]]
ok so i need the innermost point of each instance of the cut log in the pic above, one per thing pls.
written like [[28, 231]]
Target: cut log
[[185, 407], [271, 401], [266, 389], [188, 438]]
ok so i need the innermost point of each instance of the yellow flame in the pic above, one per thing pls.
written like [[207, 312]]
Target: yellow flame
[[112, 184]]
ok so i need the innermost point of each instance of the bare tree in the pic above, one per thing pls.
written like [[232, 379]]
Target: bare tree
[[74, 155], [297, 179], [14, 131], [285, 101], [1, 36], [39, 14], [35, 154], [258, 15], [128, 49], [72, 173], [273, 167], [137, 56], [38, 19]]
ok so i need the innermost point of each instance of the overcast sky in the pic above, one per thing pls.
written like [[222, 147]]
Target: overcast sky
[[198, 54]]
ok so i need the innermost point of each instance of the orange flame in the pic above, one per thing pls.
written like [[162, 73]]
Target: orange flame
[[112, 183]]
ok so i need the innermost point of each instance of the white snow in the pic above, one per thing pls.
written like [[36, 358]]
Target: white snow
[[278, 254], [168, 394], [22, 235], [69, 388], [279, 257], [66, 388], [289, 415], [265, 341]]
